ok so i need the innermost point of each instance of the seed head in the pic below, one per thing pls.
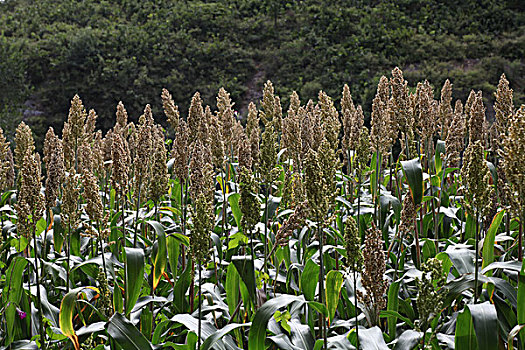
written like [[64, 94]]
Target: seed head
[[226, 118], [445, 109], [4, 162], [120, 163], [180, 151], [253, 132], [477, 118], [159, 170], [475, 177], [380, 134], [94, 207], [30, 201], [70, 193], [513, 155], [430, 299], [54, 160], [329, 120], [373, 276], [24, 144], [170, 109], [196, 118], [73, 131], [354, 256], [455, 141], [291, 135], [249, 201], [294, 222]]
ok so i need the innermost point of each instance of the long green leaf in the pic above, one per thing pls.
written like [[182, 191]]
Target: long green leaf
[[414, 175], [134, 274], [12, 293], [67, 308], [233, 200], [488, 243], [521, 302], [310, 279], [232, 288], [477, 327], [257, 333], [392, 305], [173, 255], [126, 334], [161, 258], [372, 339], [334, 282], [209, 342]]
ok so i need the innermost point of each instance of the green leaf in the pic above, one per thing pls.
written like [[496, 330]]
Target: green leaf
[[134, 272], [179, 291], [257, 333], [233, 200], [440, 149], [212, 339], [477, 327], [414, 175], [232, 288], [488, 243], [408, 340], [161, 258], [521, 301], [12, 293], [67, 308], [126, 334], [58, 233], [310, 279], [334, 282], [513, 333], [392, 305], [244, 266], [173, 255], [391, 313], [372, 339]]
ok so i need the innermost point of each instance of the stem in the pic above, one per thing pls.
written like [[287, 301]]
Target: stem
[[266, 235], [137, 218], [39, 299], [200, 306], [355, 306], [476, 261], [520, 238], [321, 280], [68, 255]]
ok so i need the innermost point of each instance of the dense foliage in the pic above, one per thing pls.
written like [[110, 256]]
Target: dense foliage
[[108, 51], [301, 230]]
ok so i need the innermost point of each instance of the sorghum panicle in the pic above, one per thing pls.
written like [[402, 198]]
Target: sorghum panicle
[[477, 118], [354, 256], [158, 185], [170, 110], [455, 141], [4, 162], [120, 163], [253, 132], [24, 144], [54, 160], [30, 202], [445, 109], [373, 279]]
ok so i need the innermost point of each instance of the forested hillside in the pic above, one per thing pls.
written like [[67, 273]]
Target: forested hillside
[[128, 50]]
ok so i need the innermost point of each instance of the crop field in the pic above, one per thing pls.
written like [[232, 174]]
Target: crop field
[[292, 227]]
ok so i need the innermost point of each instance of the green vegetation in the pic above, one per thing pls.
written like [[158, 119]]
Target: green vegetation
[[129, 50], [300, 230]]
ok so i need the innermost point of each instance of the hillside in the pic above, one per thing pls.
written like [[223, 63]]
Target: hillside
[[128, 50]]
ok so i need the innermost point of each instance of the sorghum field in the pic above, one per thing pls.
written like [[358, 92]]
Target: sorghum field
[[301, 229]]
